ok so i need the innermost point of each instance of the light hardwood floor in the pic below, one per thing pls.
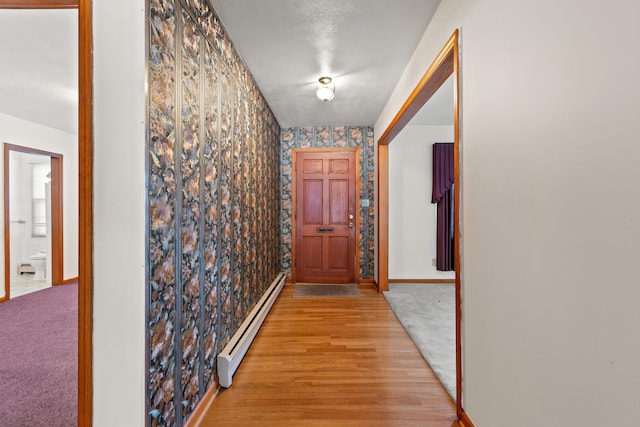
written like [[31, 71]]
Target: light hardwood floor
[[333, 362]]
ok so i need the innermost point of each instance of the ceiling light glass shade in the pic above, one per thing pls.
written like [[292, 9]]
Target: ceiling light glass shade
[[326, 89]]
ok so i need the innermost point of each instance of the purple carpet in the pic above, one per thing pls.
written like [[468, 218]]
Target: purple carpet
[[39, 359]]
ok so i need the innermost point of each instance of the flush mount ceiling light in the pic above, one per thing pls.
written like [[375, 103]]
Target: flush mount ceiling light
[[326, 89]]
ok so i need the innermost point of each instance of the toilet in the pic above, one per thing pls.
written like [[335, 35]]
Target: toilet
[[39, 262]]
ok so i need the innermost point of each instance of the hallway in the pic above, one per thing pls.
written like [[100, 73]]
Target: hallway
[[333, 362]]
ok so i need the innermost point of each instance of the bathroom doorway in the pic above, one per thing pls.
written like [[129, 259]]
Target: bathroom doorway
[[33, 243]]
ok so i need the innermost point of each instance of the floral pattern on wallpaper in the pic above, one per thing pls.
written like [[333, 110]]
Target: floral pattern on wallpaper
[[213, 202], [162, 214], [329, 137]]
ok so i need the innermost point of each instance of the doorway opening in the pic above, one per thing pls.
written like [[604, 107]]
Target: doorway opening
[[33, 242], [445, 64], [85, 166]]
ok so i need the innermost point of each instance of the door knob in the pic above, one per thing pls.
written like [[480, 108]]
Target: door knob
[[350, 216], [351, 225]]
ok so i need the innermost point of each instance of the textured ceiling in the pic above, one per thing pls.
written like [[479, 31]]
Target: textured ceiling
[[363, 44], [39, 66], [287, 44]]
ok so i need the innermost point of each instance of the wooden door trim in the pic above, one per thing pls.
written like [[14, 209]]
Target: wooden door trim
[[56, 252], [85, 215], [294, 207], [445, 64], [57, 221], [85, 193], [465, 421], [383, 217], [438, 72]]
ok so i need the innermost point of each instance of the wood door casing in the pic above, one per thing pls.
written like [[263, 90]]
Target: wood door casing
[[446, 63], [325, 220], [56, 251]]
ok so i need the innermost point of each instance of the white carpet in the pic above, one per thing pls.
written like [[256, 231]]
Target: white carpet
[[427, 312]]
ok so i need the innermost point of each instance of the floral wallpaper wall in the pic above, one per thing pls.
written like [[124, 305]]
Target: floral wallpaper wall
[[327, 137], [213, 202]]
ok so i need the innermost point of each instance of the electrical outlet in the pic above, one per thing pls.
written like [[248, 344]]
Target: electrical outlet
[[433, 262]]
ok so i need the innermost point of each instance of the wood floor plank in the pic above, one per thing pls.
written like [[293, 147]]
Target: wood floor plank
[[333, 362]]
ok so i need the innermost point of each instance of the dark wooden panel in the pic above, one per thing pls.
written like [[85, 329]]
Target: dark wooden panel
[[312, 251], [312, 166], [339, 166], [339, 201], [338, 252], [312, 201]]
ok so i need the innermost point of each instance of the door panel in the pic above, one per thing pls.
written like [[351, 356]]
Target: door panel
[[312, 201], [339, 166], [338, 201], [312, 166], [325, 223], [339, 253], [312, 250]]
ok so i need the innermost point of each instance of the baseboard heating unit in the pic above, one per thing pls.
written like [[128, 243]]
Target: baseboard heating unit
[[231, 356]]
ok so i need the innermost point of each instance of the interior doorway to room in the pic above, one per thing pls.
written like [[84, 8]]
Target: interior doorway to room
[[33, 212], [84, 120], [445, 65], [415, 223], [325, 215], [421, 271]]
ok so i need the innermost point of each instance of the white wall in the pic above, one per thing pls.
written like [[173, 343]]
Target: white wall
[[28, 134], [550, 152], [412, 216], [119, 213]]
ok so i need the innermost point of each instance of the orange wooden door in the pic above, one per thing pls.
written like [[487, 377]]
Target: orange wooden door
[[325, 216]]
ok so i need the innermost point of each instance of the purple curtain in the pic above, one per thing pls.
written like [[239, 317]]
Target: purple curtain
[[442, 194]]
